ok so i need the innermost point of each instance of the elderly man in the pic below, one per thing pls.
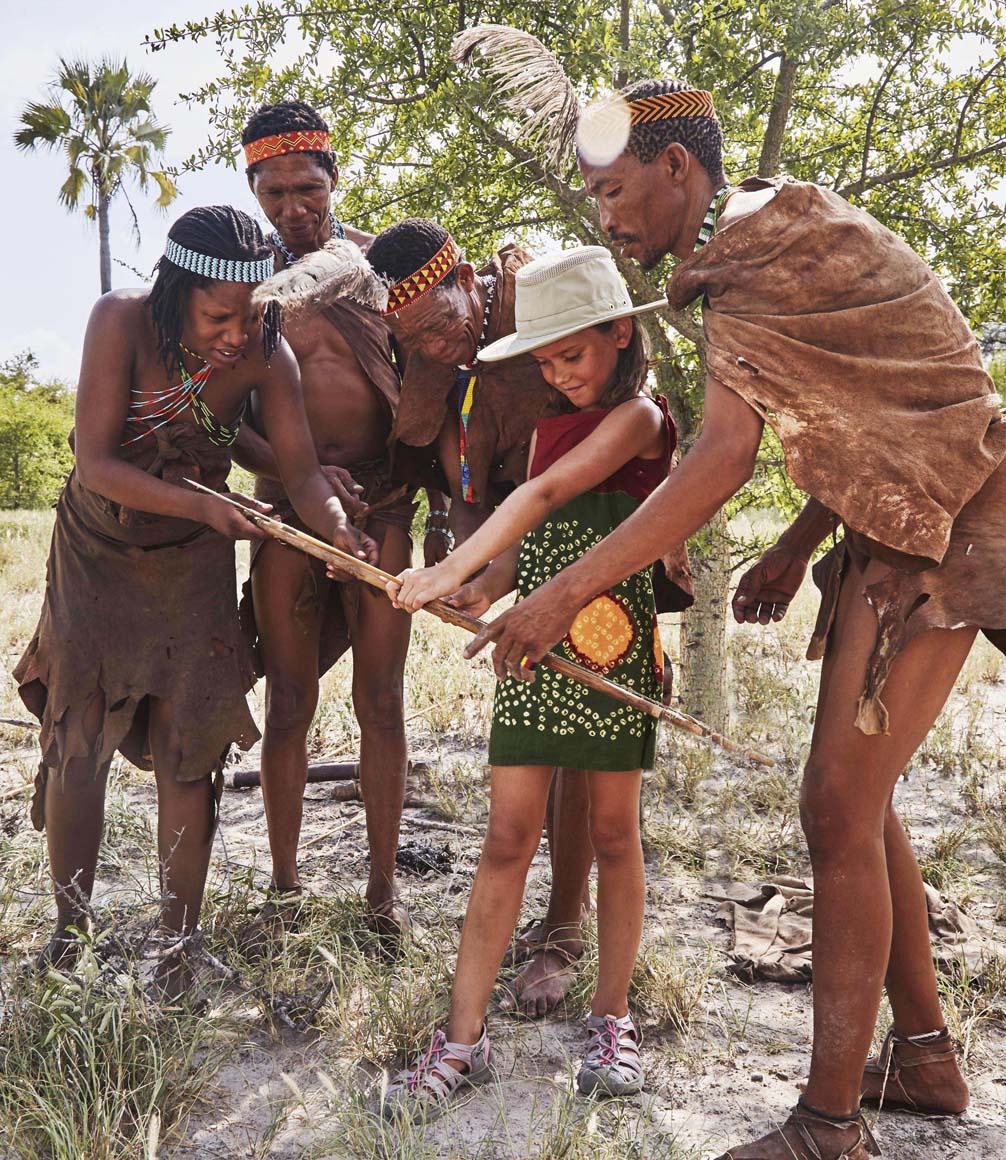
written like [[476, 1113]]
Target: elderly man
[[820, 320]]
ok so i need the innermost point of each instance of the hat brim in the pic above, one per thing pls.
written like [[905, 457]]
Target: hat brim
[[512, 345]]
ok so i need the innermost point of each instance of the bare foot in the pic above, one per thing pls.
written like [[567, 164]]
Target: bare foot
[[389, 919], [921, 1079], [806, 1136], [278, 916], [543, 981]]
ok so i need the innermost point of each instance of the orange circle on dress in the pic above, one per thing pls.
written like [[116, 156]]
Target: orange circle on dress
[[602, 633]]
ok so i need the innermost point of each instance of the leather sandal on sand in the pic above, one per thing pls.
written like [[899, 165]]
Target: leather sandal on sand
[[524, 943], [390, 921], [810, 1135], [890, 1078], [520, 995], [278, 916]]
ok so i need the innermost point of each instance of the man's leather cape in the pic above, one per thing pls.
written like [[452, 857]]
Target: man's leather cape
[[837, 332]]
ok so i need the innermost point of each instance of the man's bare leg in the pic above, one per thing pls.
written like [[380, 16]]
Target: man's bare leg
[[863, 893], [380, 645], [289, 643]]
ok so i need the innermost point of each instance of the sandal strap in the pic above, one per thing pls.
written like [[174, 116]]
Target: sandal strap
[[432, 1073], [804, 1119], [614, 1044]]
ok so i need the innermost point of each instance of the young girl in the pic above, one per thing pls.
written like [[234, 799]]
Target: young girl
[[599, 452]]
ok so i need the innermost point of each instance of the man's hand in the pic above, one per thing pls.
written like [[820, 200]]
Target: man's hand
[[435, 547], [229, 522], [346, 488], [356, 543], [525, 633], [768, 587], [471, 598]]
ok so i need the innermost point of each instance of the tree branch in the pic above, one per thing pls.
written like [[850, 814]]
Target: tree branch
[[875, 106], [892, 177], [750, 72], [958, 136], [624, 28], [775, 131]]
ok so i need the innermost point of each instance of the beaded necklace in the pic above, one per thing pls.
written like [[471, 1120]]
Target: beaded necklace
[[712, 215], [289, 257], [465, 383], [170, 403]]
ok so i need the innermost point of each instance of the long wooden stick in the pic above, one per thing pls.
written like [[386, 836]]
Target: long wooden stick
[[376, 578]]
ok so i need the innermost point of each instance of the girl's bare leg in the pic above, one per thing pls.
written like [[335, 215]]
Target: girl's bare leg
[[621, 886], [516, 811]]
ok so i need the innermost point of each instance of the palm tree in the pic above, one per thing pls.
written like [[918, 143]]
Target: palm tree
[[102, 119]]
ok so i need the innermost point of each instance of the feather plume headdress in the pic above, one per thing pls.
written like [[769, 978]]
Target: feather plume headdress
[[531, 83], [317, 280]]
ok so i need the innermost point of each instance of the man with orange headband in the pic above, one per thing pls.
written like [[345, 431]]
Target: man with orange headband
[[305, 621], [822, 322]]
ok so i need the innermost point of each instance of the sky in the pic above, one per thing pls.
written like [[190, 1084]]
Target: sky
[[52, 255]]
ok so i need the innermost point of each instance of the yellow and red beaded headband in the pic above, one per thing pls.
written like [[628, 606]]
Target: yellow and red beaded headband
[[665, 106], [295, 141], [429, 275]]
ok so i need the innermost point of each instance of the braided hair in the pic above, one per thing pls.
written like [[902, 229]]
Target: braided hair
[[220, 231], [286, 117], [701, 136], [406, 247]]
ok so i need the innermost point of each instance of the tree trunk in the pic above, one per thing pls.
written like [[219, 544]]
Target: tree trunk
[[104, 247], [703, 630], [775, 131], [624, 26]]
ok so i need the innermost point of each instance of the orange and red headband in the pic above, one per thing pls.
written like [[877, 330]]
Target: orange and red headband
[[429, 275], [295, 141], [665, 106]]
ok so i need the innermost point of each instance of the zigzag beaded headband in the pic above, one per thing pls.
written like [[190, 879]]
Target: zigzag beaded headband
[[219, 269], [294, 141], [665, 106], [430, 274]]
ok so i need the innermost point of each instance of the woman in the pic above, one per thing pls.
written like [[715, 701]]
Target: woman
[[138, 646]]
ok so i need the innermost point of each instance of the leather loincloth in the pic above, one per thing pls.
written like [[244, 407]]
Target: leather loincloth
[[389, 505]]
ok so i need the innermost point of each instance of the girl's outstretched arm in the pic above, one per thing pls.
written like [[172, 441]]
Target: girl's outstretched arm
[[636, 427]]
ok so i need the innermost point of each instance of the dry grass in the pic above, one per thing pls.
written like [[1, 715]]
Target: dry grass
[[287, 1059]]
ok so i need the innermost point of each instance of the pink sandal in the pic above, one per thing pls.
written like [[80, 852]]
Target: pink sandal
[[422, 1093]]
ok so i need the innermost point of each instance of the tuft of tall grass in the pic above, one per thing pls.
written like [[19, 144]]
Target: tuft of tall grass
[[89, 1066]]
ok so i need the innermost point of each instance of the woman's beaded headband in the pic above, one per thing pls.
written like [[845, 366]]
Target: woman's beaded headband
[[219, 269], [295, 141], [430, 274]]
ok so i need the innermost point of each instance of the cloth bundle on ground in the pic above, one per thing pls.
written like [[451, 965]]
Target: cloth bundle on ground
[[772, 922], [390, 499], [139, 605], [842, 337]]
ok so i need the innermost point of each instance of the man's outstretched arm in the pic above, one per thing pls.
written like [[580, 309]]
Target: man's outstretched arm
[[718, 465]]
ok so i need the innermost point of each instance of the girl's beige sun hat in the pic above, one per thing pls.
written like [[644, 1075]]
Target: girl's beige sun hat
[[561, 294]]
